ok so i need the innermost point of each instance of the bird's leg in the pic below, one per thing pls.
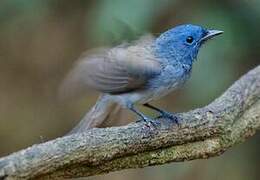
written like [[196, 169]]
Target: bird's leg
[[144, 117], [163, 113]]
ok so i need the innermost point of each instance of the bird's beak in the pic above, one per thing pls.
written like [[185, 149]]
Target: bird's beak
[[210, 34]]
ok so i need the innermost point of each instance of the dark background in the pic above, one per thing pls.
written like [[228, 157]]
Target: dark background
[[40, 40]]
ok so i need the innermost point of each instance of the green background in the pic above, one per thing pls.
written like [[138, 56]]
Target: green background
[[41, 39]]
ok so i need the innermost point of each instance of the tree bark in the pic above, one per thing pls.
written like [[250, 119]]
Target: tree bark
[[201, 133]]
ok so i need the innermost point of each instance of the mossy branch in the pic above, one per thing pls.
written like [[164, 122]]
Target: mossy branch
[[202, 133]]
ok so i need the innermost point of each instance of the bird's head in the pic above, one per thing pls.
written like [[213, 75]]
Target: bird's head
[[182, 43]]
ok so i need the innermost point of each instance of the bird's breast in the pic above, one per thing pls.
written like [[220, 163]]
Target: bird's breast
[[171, 78]]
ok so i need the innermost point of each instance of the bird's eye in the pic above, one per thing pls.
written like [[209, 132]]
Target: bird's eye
[[189, 39]]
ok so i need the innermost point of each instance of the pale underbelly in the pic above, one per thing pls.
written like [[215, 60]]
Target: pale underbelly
[[143, 96], [155, 94], [156, 90]]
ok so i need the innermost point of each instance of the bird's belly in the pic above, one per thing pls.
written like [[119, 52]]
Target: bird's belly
[[156, 93], [144, 96], [156, 88], [163, 86]]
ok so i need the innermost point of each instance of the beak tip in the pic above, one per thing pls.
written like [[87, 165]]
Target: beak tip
[[212, 33]]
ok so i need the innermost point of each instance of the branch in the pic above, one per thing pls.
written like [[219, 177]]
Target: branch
[[202, 133]]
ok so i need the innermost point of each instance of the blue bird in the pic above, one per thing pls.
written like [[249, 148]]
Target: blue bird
[[137, 73]]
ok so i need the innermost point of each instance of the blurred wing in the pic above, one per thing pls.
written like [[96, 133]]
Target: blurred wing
[[115, 70]]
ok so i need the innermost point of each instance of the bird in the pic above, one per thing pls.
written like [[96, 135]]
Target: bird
[[136, 73]]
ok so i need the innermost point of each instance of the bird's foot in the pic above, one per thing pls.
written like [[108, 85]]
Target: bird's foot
[[151, 123], [170, 116]]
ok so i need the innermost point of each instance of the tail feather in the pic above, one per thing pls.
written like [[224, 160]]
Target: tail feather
[[103, 112]]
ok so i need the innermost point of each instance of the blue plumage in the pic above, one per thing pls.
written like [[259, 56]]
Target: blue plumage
[[138, 73], [180, 44]]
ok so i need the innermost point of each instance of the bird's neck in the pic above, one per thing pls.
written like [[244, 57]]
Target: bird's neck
[[172, 57], [166, 53]]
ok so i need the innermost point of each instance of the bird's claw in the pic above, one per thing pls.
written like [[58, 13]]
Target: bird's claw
[[151, 123], [170, 116]]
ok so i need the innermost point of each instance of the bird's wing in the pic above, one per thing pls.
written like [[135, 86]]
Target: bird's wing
[[115, 70]]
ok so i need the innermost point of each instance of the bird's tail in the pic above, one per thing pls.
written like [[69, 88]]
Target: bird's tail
[[103, 113]]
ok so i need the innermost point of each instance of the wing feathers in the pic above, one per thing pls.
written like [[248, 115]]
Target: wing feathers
[[115, 70]]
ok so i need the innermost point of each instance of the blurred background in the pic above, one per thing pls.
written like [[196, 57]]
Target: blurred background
[[41, 39]]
